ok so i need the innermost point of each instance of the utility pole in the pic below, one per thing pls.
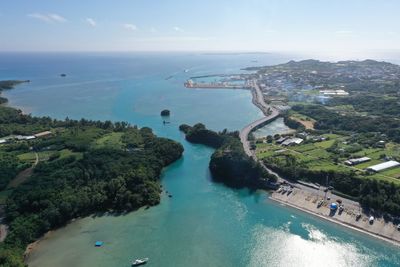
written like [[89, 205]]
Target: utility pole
[[326, 186]]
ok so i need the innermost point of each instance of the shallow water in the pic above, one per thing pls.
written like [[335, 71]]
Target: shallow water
[[204, 223]]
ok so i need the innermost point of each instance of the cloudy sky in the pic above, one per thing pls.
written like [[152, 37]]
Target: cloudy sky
[[217, 25]]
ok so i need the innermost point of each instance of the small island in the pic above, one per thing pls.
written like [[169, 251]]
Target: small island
[[165, 113]]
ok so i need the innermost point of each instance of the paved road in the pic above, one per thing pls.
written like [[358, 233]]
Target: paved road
[[269, 111]]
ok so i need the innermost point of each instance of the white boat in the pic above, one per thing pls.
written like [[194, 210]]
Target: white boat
[[138, 262]]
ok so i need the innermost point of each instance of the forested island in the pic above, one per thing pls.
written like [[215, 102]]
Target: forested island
[[81, 168], [229, 163]]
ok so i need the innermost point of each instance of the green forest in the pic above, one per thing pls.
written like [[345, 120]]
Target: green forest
[[92, 167], [229, 163]]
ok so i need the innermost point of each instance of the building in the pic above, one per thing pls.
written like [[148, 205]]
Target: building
[[281, 140], [43, 134], [23, 137], [3, 141], [292, 141], [339, 92], [356, 161], [383, 166]]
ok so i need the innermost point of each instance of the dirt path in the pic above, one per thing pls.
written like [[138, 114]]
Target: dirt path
[[23, 175]]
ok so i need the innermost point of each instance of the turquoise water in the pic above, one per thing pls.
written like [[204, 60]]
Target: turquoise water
[[275, 127], [204, 224]]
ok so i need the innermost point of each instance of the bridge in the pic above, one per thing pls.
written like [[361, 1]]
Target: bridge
[[270, 113]]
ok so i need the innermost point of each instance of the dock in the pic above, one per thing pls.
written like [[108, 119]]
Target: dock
[[216, 85]]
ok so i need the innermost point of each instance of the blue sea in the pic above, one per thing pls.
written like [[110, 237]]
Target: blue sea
[[204, 223]]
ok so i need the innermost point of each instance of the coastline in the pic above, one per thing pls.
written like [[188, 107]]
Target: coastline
[[379, 224], [391, 233]]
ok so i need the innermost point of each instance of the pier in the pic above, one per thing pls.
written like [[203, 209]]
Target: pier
[[216, 85]]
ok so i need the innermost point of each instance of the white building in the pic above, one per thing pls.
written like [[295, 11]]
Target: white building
[[339, 92], [357, 161], [383, 166], [292, 141]]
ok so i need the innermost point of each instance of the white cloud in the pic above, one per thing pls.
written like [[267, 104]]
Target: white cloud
[[178, 29], [48, 17], [130, 27], [57, 18], [91, 22], [153, 30], [39, 17]]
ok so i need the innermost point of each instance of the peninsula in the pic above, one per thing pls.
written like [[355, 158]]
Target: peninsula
[[52, 171]]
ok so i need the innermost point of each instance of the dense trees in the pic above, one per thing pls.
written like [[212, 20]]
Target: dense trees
[[330, 120], [9, 167], [229, 163], [291, 123], [119, 178], [104, 179]]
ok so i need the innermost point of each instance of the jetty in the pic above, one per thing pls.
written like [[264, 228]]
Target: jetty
[[217, 85]]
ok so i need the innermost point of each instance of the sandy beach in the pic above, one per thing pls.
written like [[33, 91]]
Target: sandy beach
[[307, 201]]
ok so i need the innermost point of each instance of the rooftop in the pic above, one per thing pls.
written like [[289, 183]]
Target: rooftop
[[384, 166]]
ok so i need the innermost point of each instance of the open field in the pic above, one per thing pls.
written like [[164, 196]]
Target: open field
[[109, 140], [315, 156], [307, 122]]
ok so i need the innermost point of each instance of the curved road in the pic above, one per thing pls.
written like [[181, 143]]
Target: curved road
[[270, 114]]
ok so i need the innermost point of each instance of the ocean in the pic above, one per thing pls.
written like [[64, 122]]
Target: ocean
[[204, 223]]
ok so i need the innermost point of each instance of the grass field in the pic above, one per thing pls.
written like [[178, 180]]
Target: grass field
[[109, 140], [316, 157]]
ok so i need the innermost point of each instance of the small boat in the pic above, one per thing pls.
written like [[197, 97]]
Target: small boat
[[358, 216], [341, 208], [98, 243], [279, 189], [398, 227], [138, 262], [320, 203], [186, 70]]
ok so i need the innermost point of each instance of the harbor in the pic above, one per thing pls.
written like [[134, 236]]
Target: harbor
[[315, 203], [193, 219], [307, 197], [216, 85]]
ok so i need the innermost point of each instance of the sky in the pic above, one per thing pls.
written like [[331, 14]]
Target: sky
[[335, 26]]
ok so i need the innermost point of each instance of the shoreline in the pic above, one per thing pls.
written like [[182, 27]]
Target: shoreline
[[343, 223], [315, 193]]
